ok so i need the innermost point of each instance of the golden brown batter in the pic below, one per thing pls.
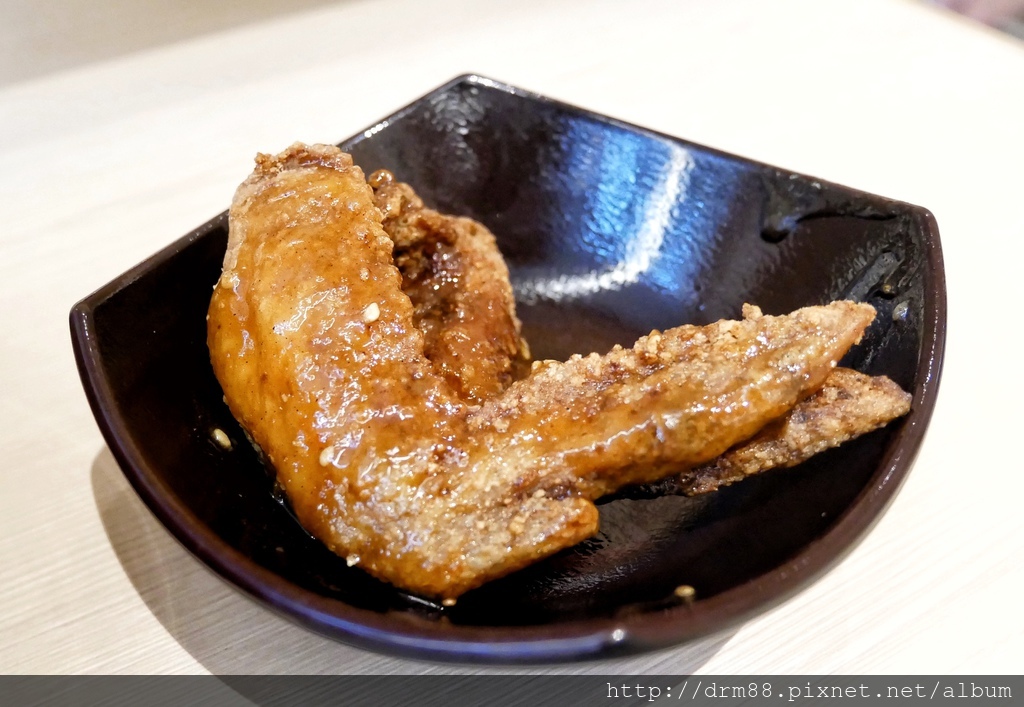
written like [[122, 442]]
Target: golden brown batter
[[848, 405], [315, 345], [462, 298]]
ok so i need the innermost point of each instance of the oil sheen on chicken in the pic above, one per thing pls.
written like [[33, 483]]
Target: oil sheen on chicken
[[314, 343], [462, 301]]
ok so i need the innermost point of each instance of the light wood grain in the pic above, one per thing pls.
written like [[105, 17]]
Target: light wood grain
[[106, 163]]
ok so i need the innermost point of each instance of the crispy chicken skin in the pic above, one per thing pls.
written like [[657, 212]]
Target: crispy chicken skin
[[315, 345], [847, 406], [462, 299]]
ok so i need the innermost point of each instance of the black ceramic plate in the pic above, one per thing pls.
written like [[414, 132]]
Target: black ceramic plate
[[609, 230]]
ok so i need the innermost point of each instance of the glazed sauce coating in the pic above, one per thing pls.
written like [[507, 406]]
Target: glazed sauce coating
[[316, 346]]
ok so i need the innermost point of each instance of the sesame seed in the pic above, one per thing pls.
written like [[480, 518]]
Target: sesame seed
[[685, 591], [448, 602], [221, 438], [900, 311], [371, 313], [352, 560], [326, 456]]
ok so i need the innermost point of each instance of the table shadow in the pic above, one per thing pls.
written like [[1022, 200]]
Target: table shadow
[[230, 634]]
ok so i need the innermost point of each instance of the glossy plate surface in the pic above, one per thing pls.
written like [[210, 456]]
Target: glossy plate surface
[[609, 230]]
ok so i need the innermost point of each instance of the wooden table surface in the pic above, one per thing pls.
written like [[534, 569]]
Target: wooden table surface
[[106, 162]]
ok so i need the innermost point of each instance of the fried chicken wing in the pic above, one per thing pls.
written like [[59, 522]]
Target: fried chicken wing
[[315, 345], [458, 282], [462, 299], [847, 406]]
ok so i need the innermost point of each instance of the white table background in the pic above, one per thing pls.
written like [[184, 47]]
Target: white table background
[[105, 162]]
